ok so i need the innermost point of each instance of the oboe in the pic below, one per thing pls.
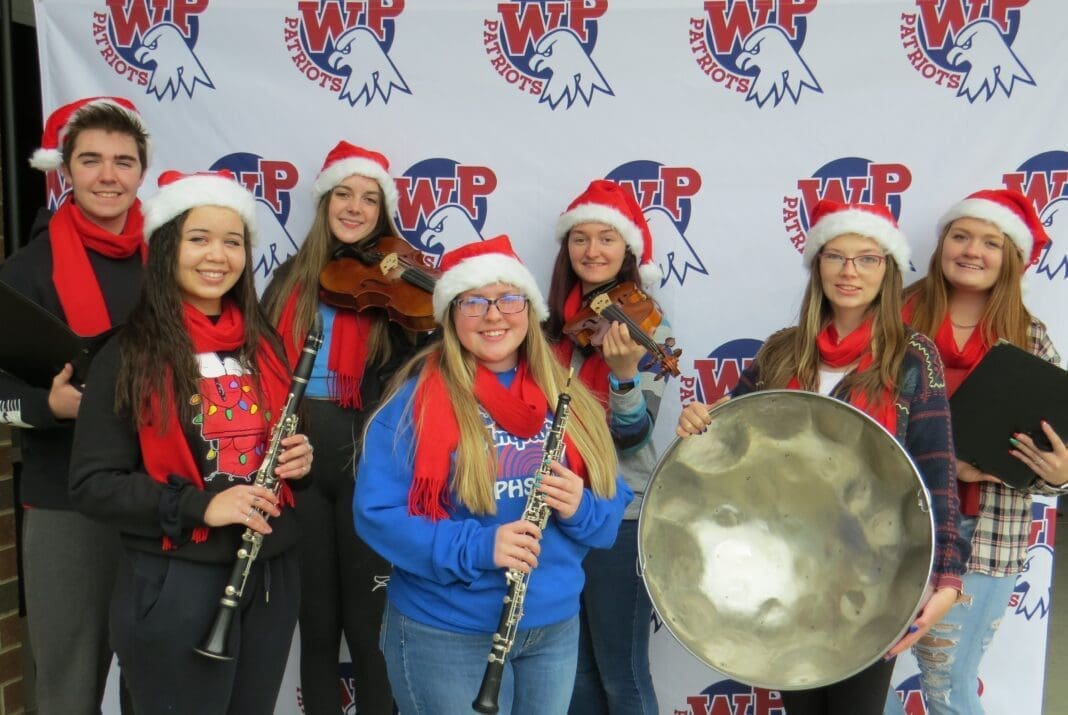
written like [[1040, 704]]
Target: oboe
[[215, 643], [536, 512]]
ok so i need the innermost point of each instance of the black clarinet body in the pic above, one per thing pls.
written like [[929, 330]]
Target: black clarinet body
[[218, 636], [536, 512]]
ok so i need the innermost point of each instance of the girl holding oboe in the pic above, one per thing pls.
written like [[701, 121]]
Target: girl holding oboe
[[172, 430], [457, 443]]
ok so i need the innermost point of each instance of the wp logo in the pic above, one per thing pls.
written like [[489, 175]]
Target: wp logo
[[545, 48], [717, 375], [152, 43], [966, 45], [664, 194], [846, 180], [755, 48], [271, 182], [442, 204], [730, 698], [343, 47], [1044, 180]]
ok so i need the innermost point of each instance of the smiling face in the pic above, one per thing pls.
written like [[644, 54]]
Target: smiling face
[[211, 256], [850, 291], [972, 253], [355, 207], [104, 174], [494, 338], [596, 251]]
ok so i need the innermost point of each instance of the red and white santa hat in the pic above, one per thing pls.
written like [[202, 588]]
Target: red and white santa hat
[[50, 154], [1012, 213], [180, 192], [831, 219], [346, 159], [483, 263], [607, 202]]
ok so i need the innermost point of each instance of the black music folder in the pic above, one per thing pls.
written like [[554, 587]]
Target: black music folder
[[35, 344], [1009, 391]]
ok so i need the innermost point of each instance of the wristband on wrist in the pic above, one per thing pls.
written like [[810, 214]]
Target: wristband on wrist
[[621, 385]]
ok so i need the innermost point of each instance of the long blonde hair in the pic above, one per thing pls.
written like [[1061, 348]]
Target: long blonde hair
[[1004, 317], [793, 351], [475, 469], [316, 251]]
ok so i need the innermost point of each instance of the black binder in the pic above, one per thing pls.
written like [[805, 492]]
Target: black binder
[[1009, 391], [35, 344]]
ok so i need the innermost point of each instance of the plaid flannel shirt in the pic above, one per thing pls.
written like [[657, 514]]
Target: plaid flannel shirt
[[1003, 530]]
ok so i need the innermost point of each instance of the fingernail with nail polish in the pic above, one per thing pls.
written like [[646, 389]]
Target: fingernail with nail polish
[[913, 628]]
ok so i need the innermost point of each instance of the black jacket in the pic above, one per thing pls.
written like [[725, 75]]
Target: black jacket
[[45, 442], [108, 481]]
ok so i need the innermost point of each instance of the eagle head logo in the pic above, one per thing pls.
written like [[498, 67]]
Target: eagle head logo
[[572, 73], [780, 69], [447, 228], [673, 254], [991, 63], [1033, 583], [176, 67], [1054, 259], [371, 71]]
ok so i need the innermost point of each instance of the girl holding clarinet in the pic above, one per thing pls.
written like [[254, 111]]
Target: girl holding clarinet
[[441, 496], [172, 431]]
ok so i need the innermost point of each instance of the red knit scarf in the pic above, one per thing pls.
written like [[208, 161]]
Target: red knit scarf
[[165, 451], [349, 335], [519, 410], [71, 234], [959, 362], [594, 371], [853, 348]]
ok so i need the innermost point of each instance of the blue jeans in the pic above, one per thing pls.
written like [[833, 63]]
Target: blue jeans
[[613, 658], [437, 671], [950, 653]]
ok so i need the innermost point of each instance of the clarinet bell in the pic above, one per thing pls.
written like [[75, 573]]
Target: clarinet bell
[[215, 644]]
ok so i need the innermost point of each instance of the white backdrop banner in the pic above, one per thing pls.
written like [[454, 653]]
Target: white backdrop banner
[[728, 119]]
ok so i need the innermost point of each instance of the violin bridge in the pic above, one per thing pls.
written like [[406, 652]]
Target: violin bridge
[[389, 263], [600, 303]]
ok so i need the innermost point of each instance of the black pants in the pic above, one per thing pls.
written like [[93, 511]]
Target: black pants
[[344, 581], [163, 607], [860, 694]]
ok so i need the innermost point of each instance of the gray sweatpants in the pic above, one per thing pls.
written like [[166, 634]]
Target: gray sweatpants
[[69, 563]]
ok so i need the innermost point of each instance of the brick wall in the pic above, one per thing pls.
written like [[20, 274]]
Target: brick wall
[[11, 626]]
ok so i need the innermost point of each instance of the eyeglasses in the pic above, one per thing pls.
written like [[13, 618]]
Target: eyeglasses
[[864, 264], [477, 306]]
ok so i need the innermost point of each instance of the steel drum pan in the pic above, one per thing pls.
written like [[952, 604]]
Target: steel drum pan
[[789, 546]]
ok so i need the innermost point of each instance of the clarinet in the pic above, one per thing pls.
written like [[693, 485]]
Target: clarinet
[[536, 512], [215, 644]]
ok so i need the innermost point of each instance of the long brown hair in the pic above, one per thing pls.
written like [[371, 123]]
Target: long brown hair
[[475, 468], [154, 342], [1004, 317], [303, 276], [564, 279], [793, 352]]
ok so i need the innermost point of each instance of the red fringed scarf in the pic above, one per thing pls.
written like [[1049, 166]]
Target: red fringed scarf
[[165, 451], [519, 410], [853, 347], [958, 362], [71, 234], [594, 371], [349, 335]]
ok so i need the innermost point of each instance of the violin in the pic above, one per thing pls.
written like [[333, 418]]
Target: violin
[[628, 304], [389, 274]]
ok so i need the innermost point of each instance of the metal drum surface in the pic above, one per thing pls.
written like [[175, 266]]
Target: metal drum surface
[[789, 546]]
